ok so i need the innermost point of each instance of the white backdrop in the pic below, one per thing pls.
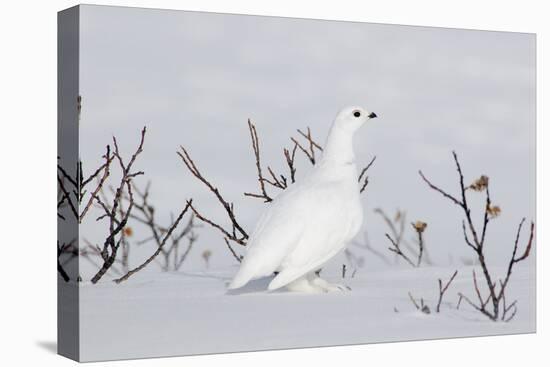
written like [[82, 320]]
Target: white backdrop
[[28, 75]]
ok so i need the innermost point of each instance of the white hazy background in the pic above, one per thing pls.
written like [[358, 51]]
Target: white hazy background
[[28, 31], [195, 78]]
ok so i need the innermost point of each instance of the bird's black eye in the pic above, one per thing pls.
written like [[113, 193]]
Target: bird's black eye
[[357, 114]]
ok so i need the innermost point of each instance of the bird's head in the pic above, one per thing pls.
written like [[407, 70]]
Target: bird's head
[[352, 118]]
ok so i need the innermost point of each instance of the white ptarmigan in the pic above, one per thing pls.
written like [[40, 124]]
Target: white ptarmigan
[[312, 220]]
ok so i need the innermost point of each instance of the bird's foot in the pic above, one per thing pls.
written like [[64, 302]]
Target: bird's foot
[[325, 286], [304, 286]]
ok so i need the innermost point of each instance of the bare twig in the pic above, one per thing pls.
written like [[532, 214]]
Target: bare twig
[[237, 257], [414, 301], [60, 269], [363, 175], [422, 306], [398, 251], [443, 289], [261, 179], [397, 229], [419, 227], [513, 259], [312, 145], [241, 240], [243, 236], [397, 233], [66, 195], [459, 301], [432, 186], [79, 185], [367, 246], [309, 138], [145, 215], [105, 168], [396, 248], [159, 248], [178, 261], [354, 260], [290, 157]]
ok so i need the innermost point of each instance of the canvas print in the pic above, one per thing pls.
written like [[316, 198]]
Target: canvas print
[[239, 183]]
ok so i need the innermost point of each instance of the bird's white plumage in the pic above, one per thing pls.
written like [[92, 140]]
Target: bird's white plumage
[[313, 219]]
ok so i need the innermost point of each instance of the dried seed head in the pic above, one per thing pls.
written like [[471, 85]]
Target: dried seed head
[[480, 184], [397, 216], [206, 255], [493, 211], [419, 226], [128, 231]]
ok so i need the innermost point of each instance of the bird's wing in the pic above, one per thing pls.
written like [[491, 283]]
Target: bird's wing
[[303, 228], [275, 236], [329, 227], [290, 274]]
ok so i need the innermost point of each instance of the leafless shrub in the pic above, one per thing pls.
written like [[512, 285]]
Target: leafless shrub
[[145, 215], [397, 249], [366, 245], [280, 181], [160, 245], [118, 208], [73, 193], [166, 239], [74, 190], [115, 215], [442, 290], [420, 306], [355, 261], [65, 248], [476, 241], [414, 254], [235, 233], [92, 252]]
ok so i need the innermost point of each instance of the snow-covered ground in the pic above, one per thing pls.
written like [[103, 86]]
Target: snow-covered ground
[[187, 313]]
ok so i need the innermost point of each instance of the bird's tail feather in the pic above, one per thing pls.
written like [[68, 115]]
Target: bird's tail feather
[[284, 278], [242, 277]]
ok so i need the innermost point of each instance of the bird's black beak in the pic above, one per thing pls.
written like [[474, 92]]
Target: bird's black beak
[[372, 115]]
